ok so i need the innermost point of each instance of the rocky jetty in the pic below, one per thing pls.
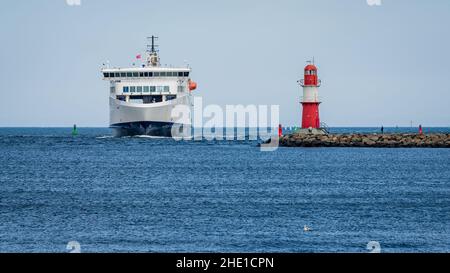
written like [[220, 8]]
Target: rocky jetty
[[367, 140]]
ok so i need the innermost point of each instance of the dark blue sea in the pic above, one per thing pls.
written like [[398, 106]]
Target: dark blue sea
[[140, 194]]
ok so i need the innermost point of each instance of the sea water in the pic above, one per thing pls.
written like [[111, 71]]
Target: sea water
[[140, 194]]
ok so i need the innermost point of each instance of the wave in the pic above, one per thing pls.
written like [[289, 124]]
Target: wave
[[152, 137], [104, 137]]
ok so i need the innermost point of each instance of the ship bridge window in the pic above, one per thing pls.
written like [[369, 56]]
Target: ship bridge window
[[111, 75], [162, 89], [141, 74], [180, 74], [136, 99], [129, 74], [156, 74], [145, 74], [186, 74], [146, 89], [132, 89], [126, 89], [152, 88], [123, 75], [139, 89], [106, 75], [162, 74], [135, 74], [117, 75]]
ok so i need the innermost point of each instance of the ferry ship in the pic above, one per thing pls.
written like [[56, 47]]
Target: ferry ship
[[142, 98]]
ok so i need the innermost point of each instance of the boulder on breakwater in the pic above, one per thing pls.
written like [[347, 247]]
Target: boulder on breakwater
[[367, 140]]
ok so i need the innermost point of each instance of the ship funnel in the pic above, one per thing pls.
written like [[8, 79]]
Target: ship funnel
[[153, 59], [152, 53]]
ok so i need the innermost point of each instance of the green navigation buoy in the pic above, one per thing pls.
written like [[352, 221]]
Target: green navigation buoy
[[75, 130]]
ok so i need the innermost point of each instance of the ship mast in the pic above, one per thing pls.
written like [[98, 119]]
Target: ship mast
[[152, 53]]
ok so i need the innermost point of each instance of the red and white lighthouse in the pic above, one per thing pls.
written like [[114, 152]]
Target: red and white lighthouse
[[310, 101]]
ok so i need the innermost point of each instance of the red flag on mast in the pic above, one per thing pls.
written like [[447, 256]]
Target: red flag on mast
[[139, 56]]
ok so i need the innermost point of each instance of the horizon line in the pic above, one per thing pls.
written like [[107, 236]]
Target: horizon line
[[97, 127]]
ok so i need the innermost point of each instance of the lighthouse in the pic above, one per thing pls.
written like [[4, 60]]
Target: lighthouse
[[310, 100]]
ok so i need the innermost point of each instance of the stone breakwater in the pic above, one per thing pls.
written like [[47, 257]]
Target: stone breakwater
[[367, 140]]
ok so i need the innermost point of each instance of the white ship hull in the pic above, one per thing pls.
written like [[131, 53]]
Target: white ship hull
[[154, 119]]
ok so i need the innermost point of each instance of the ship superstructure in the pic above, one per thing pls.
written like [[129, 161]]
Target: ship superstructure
[[141, 99]]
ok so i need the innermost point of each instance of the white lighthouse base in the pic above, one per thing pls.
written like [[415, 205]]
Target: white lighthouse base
[[312, 131]]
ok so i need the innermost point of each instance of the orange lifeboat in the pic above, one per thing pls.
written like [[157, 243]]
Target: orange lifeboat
[[192, 85]]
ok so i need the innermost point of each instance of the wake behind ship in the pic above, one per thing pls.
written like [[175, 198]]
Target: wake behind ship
[[142, 98]]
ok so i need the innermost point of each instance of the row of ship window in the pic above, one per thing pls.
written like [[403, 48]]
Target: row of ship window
[[145, 74], [145, 89]]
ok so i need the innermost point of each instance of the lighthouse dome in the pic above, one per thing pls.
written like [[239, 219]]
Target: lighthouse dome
[[311, 78], [311, 67]]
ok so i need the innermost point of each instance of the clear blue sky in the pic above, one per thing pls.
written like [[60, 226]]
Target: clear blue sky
[[387, 64]]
